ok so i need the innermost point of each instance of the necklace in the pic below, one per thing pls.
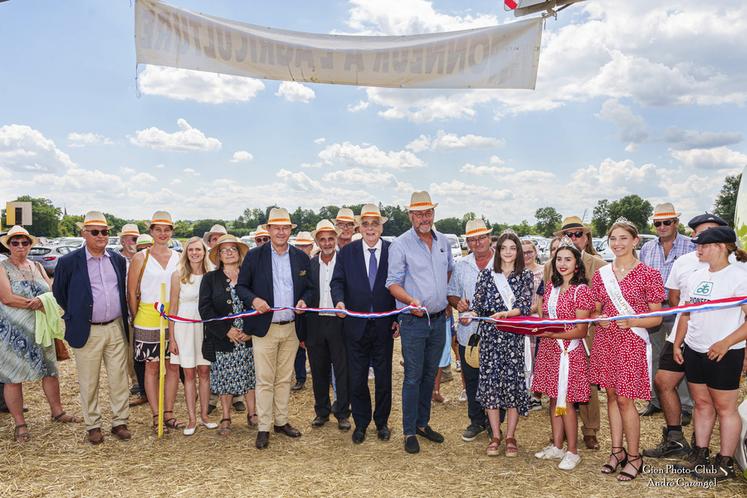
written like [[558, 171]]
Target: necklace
[[622, 269], [28, 273]]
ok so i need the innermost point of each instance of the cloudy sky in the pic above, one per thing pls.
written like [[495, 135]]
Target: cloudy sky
[[633, 97]]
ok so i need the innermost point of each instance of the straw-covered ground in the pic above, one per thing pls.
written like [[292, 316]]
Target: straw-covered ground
[[56, 462]]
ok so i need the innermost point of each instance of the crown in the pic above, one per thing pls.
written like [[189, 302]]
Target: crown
[[566, 242], [622, 220], [508, 231]]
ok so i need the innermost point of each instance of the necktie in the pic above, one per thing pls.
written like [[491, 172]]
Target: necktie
[[372, 268]]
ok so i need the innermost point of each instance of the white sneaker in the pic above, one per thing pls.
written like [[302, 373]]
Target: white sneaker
[[550, 453], [569, 461], [458, 366], [463, 396]]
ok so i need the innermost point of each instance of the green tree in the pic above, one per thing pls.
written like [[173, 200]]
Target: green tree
[[251, 218], [523, 228], [548, 221], [634, 208], [45, 216], [115, 222], [450, 225], [183, 229], [399, 221], [726, 202], [600, 219], [68, 227], [199, 227]]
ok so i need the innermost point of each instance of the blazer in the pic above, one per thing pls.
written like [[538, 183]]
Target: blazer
[[215, 301], [255, 280], [72, 290], [350, 286]]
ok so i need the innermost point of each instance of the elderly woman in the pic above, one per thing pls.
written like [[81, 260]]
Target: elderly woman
[[21, 358], [226, 345]]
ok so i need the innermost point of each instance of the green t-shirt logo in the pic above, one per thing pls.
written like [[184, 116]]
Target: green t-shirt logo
[[704, 289]]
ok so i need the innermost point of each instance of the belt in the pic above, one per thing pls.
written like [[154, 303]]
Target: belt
[[105, 323], [432, 316], [286, 322]]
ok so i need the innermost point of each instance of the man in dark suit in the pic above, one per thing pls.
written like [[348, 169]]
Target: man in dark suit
[[358, 285], [274, 275], [324, 340], [89, 284]]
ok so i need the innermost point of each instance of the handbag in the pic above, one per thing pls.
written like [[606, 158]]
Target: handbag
[[472, 351], [61, 350]]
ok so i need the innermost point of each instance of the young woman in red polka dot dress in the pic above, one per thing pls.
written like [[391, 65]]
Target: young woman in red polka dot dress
[[619, 360]]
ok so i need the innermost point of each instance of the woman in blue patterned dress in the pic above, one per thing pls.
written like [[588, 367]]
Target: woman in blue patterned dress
[[501, 292], [225, 344]]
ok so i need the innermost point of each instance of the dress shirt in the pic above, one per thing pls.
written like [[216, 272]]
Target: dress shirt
[[104, 290], [462, 284], [325, 277], [282, 285], [652, 254], [367, 253]]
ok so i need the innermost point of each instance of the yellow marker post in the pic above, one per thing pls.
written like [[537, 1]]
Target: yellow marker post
[[162, 364]]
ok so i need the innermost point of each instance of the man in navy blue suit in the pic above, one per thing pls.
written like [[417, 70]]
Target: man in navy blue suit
[[358, 285], [89, 284]]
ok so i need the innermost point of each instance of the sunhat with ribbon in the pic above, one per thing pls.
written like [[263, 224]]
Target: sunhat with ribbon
[[304, 239], [279, 216], [93, 218], [261, 231], [162, 218], [370, 211], [144, 239], [665, 211], [571, 222], [475, 228], [130, 229], [228, 239], [213, 230], [17, 231], [421, 201], [324, 226], [345, 214]]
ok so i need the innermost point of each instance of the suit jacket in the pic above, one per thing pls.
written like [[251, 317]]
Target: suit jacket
[[72, 290], [350, 286], [255, 280], [215, 301]]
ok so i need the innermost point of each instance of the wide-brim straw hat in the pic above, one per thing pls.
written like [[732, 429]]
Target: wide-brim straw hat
[[323, 226], [665, 211], [227, 239], [93, 219], [162, 218], [304, 239], [370, 211], [279, 216], [144, 239], [214, 229], [476, 228], [571, 222], [130, 229], [421, 201], [346, 214], [17, 231]]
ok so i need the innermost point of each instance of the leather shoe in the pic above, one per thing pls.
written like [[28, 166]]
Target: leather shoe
[[319, 421], [263, 440], [649, 410], [591, 442], [137, 400], [383, 433], [343, 424], [687, 417], [239, 406], [359, 435], [95, 436], [288, 430], [430, 434], [411, 445], [122, 433], [297, 386]]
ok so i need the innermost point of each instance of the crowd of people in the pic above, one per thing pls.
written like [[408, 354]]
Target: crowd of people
[[107, 299]]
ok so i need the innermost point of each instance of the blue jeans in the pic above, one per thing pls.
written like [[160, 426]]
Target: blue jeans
[[422, 346]]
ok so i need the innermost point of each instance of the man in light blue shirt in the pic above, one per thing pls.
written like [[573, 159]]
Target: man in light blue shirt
[[419, 268]]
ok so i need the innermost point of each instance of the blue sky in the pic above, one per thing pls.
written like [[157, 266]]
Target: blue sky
[[630, 99]]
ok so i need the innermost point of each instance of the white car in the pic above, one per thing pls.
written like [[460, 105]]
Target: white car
[[456, 246]]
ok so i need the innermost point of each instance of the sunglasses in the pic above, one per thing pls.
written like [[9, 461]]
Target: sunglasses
[[574, 235], [96, 233], [262, 239], [666, 223], [19, 243]]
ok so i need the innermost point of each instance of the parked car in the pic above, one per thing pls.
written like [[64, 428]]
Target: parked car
[[603, 249], [48, 256], [456, 246], [74, 242], [175, 245]]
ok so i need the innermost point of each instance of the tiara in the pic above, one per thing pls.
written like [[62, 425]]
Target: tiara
[[566, 242], [508, 231], [622, 220]]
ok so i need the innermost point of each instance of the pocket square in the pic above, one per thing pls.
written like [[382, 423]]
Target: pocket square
[[302, 273]]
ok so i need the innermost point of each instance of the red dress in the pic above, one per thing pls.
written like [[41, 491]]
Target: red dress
[[618, 356], [547, 364]]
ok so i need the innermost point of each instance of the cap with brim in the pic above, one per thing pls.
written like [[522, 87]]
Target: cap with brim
[[304, 239], [227, 239], [17, 231], [706, 218], [716, 235], [421, 201], [162, 218], [130, 229], [214, 229], [324, 226], [475, 228], [370, 211], [91, 219], [279, 216], [570, 223], [665, 211], [144, 239]]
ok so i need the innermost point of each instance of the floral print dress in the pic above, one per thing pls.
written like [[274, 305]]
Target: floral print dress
[[502, 383]]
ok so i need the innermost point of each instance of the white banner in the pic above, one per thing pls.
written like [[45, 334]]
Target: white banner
[[495, 57]]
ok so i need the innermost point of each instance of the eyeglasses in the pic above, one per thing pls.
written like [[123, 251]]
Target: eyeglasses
[[262, 239], [229, 250], [479, 238], [96, 233], [345, 224], [17, 243], [367, 224], [666, 223], [574, 235]]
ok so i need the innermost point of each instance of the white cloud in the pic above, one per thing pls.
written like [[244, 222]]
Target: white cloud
[[632, 127], [494, 167], [200, 86], [187, 139], [448, 141], [190, 172], [320, 140], [295, 92], [691, 139], [23, 148], [368, 156], [142, 178], [360, 176], [362, 105], [76, 139], [715, 158], [241, 156], [160, 166]]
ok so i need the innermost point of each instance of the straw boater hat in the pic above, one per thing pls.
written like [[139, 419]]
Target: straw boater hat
[[130, 229], [226, 239], [162, 218], [421, 201], [214, 229], [372, 211], [324, 226], [279, 216], [346, 214], [261, 231], [475, 228], [15, 231], [144, 239], [665, 211], [304, 239], [91, 219], [572, 222]]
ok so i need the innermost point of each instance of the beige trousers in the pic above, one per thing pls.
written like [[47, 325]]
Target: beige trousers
[[106, 343], [274, 355]]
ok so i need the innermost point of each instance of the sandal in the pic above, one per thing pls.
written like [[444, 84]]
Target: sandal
[[252, 420], [64, 418], [172, 423], [616, 450], [492, 449], [155, 425], [22, 437], [626, 476], [512, 449], [224, 431]]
